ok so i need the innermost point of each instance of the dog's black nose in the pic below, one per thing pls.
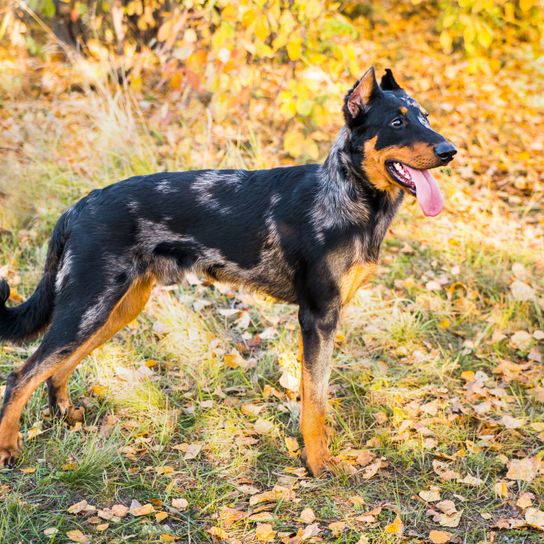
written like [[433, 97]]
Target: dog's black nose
[[445, 151]]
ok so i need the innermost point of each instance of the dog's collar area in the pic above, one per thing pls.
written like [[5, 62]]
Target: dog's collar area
[[401, 175]]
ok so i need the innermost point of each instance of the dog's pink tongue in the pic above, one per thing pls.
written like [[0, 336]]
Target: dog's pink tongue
[[427, 192]]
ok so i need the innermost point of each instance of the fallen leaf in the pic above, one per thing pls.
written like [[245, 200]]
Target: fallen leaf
[[263, 426], [119, 510], [525, 469], [262, 517], [371, 470], [50, 531], [447, 507], [396, 527], [309, 532], [471, 480], [535, 518], [290, 382], [292, 445], [365, 457], [521, 340], [81, 506], [180, 504], [432, 495], [440, 537], [264, 532], [161, 516], [193, 450], [512, 422], [274, 495], [229, 516], [444, 472], [337, 528], [307, 516], [522, 292], [78, 536], [143, 510], [501, 489], [525, 500]]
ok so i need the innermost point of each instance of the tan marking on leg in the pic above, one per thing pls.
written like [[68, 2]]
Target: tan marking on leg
[[356, 275], [124, 311], [312, 423], [127, 309]]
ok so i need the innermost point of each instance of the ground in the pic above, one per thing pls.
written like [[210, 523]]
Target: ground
[[437, 393]]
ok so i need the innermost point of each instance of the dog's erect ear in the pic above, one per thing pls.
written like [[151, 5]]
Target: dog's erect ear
[[364, 91], [388, 82]]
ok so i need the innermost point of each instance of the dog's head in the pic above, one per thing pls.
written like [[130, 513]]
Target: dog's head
[[392, 141]]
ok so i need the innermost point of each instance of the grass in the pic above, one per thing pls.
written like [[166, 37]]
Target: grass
[[191, 371]]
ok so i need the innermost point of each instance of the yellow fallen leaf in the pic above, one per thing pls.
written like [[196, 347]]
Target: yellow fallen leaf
[[143, 510], [161, 516], [264, 532], [440, 537], [28, 470], [501, 489], [396, 527], [99, 390], [166, 537], [292, 444], [164, 470]]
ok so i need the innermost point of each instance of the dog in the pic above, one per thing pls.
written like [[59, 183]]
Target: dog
[[308, 235]]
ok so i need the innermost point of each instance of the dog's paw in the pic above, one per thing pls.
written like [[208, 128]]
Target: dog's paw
[[9, 453], [75, 415]]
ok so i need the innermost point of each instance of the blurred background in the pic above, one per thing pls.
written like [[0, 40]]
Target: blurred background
[[438, 361]]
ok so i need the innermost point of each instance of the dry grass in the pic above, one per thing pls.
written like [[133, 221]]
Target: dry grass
[[175, 377]]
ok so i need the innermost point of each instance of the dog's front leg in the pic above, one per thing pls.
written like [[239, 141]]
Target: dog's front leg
[[318, 325]]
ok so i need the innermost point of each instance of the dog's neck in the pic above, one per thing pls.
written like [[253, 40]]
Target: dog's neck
[[346, 197]]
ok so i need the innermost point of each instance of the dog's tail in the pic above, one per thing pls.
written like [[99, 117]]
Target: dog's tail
[[27, 320]]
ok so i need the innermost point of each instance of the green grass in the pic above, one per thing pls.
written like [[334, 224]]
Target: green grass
[[162, 383]]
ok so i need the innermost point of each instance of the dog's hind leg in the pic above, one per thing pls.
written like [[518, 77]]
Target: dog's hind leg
[[126, 310], [69, 339]]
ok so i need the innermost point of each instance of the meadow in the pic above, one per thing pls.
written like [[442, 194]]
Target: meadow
[[191, 415]]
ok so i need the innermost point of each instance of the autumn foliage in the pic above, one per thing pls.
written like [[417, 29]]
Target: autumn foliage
[[191, 428]]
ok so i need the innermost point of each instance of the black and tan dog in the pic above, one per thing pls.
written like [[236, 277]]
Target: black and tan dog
[[308, 235]]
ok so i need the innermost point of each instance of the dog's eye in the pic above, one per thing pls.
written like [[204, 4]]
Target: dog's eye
[[397, 122]]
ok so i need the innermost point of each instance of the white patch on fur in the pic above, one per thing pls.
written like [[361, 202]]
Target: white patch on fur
[[423, 120], [165, 186], [63, 270], [206, 184], [94, 315]]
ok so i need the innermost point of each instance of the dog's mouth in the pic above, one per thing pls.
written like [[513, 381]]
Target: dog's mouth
[[420, 183]]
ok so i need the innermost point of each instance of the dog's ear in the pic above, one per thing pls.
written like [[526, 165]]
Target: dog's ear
[[388, 82], [361, 95]]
